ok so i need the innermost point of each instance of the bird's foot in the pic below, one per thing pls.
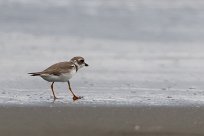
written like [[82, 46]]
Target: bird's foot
[[55, 98], [76, 97]]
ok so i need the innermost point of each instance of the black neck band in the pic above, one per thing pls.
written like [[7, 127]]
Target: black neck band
[[75, 66]]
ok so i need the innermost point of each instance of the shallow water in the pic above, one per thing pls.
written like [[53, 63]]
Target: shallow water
[[140, 53]]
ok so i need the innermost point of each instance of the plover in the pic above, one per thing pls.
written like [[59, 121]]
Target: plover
[[62, 72]]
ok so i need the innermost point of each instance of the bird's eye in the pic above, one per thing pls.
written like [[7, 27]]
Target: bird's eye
[[82, 61]]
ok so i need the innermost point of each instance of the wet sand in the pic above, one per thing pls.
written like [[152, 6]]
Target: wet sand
[[158, 60], [92, 121]]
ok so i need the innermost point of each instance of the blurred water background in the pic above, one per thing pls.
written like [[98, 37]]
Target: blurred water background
[[139, 51]]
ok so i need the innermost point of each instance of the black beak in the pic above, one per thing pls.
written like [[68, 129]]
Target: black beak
[[86, 65]]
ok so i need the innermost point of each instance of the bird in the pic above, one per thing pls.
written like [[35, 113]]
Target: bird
[[62, 72]]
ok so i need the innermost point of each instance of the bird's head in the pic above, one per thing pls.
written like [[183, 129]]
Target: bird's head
[[79, 61]]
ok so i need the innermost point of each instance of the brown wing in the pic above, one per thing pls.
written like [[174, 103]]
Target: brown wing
[[58, 68]]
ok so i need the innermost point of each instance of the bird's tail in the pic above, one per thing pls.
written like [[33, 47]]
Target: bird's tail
[[35, 74]]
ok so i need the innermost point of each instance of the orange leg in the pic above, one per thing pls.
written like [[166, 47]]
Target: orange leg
[[74, 96], [53, 91]]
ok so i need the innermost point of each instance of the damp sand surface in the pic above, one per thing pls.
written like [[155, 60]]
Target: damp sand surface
[[143, 93], [112, 121]]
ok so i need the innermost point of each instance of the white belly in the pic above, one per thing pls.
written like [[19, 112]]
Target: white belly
[[62, 78]]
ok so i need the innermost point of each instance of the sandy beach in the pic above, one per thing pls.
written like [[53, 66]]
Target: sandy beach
[[145, 76]]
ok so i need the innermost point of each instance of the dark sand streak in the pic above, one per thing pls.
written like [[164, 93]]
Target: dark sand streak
[[92, 121]]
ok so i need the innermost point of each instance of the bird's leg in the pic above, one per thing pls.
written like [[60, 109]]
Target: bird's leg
[[53, 91], [74, 96]]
